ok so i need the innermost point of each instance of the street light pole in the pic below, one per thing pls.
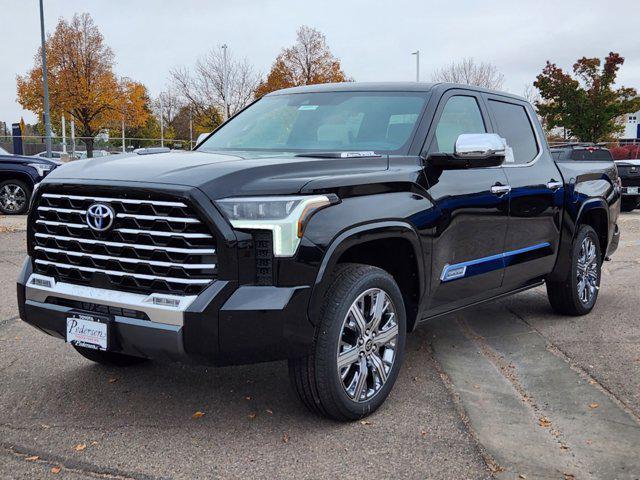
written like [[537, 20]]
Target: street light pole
[[224, 81], [161, 123], [45, 114], [417, 54]]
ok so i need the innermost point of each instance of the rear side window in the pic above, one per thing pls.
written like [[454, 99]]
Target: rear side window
[[593, 154], [514, 125], [460, 115]]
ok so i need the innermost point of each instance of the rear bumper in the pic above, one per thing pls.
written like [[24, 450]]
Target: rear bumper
[[223, 325]]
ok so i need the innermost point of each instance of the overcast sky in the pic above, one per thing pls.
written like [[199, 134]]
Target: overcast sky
[[373, 39]]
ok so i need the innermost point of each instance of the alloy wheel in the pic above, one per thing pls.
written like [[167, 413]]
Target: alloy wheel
[[12, 198], [367, 345], [587, 271]]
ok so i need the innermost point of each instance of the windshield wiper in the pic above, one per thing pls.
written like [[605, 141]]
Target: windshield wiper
[[338, 154]]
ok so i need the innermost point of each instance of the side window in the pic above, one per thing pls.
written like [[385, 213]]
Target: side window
[[460, 115], [513, 124]]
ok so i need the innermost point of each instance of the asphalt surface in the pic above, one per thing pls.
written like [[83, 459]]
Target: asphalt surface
[[508, 390]]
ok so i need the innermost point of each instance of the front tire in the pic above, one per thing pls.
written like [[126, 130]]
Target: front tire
[[577, 294], [359, 345], [14, 197], [110, 359]]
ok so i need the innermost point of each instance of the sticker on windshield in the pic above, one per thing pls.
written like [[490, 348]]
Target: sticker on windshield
[[307, 107]]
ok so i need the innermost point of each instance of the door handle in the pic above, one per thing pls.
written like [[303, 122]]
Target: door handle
[[499, 189], [553, 185]]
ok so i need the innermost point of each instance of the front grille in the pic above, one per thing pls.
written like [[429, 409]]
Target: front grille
[[157, 244], [628, 171]]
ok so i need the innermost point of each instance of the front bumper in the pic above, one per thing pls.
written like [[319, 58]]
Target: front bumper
[[224, 325]]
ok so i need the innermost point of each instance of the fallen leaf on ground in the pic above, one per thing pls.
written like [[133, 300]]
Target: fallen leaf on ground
[[523, 476], [423, 433], [247, 397], [564, 447], [32, 458], [593, 405], [592, 382], [544, 422], [269, 411], [252, 416], [80, 447], [198, 414], [56, 469], [94, 443], [45, 426], [285, 438], [569, 476], [589, 442], [113, 380], [365, 422]]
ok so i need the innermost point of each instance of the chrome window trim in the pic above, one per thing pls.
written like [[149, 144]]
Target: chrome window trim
[[183, 281], [195, 266], [133, 301], [192, 251], [116, 200]]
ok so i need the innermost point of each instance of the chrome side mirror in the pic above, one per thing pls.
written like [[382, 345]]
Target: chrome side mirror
[[472, 150]]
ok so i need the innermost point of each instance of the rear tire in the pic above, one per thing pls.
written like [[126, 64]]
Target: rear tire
[[359, 345], [111, 359], [15, 196], [578, 293]]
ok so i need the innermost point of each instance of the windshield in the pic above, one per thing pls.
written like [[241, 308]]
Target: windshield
[[328, 122]]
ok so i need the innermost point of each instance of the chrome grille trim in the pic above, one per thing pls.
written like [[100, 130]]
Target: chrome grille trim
[[156, 243], [118, 200], [126, 274], [134, 231], [192, 251], [62, 210], [154, 217], [62, 224], [203, 266]]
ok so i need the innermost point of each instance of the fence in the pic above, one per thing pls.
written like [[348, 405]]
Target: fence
[[33, 145]]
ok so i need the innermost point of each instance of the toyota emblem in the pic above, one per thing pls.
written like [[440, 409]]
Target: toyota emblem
[[100, 217]]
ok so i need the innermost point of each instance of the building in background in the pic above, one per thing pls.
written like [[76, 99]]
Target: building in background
[[631, 127]]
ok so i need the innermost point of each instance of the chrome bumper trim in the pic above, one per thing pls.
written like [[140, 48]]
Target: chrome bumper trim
[[38, 291]]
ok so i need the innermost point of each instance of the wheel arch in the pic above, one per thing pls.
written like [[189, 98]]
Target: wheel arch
[[17, 175], [393, 246]]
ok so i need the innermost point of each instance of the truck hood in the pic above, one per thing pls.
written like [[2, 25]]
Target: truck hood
[[219, 174], [635, 162]]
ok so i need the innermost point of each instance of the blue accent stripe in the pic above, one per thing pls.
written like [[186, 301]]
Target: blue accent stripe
[[486, 264]]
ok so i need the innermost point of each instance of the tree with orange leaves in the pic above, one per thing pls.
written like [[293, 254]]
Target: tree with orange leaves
[[309, 61], [82, 84]]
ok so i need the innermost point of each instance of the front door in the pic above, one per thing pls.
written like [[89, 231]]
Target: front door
[[467, 262]]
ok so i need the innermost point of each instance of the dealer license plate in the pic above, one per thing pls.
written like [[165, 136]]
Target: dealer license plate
[[632, 190], [88, 331]]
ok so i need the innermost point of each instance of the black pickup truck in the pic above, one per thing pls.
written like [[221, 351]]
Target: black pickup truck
[[320, 225]]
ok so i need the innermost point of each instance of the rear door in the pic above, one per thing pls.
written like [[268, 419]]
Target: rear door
[[469, 239], [537, 193]]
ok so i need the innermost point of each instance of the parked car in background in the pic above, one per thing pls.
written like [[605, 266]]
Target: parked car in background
[[18, 177], [54, 154], [629, 172], [320, 225], [81, 154], [581, 152]]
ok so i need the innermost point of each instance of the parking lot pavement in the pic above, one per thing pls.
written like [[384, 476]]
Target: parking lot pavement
[[507, 389]]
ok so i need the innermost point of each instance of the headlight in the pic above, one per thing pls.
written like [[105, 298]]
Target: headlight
[[284, 216], [42, 168]]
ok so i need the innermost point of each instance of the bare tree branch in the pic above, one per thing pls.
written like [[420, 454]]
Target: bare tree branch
[[468, 72]]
